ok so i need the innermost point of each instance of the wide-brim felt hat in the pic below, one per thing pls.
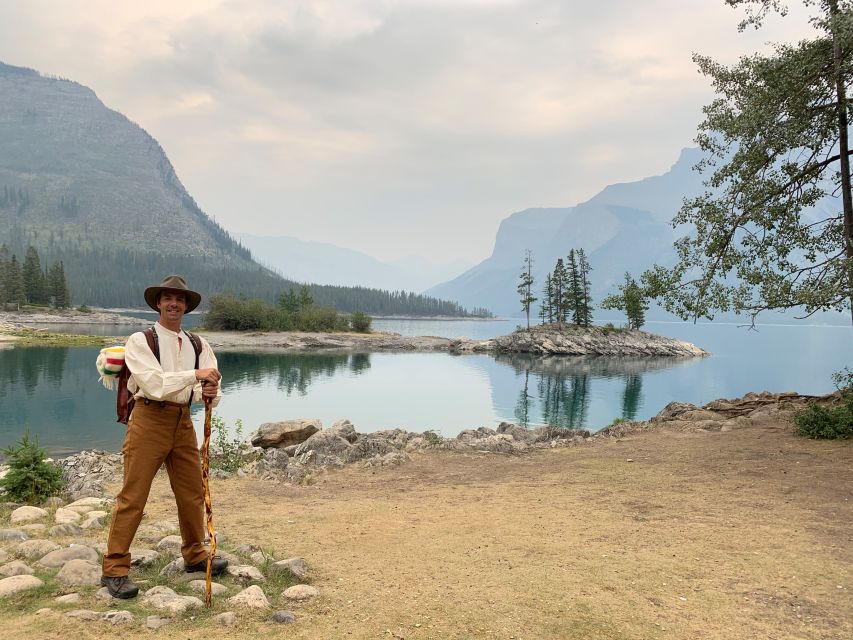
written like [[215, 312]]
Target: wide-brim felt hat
[[172, 283]]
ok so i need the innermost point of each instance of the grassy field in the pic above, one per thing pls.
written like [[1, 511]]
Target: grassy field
[[726, 535]]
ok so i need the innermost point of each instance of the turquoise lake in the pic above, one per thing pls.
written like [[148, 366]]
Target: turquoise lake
[[54, 390]]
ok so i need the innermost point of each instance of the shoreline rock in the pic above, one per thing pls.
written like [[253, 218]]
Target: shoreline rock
[[22, 319]]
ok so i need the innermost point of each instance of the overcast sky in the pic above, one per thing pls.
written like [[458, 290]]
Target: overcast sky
[[408, 127]]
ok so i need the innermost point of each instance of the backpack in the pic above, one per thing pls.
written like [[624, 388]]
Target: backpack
[[124, 399]]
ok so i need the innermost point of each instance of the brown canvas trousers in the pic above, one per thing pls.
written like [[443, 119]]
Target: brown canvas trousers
[[158, 434]]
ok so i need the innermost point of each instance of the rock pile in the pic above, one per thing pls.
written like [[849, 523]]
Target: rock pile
[[294, 448], [86, 473], [584, 341], [254, 583], [753, 409]]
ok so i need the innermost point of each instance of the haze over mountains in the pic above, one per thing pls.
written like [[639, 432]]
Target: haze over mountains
[[306, 261], [625, 227]]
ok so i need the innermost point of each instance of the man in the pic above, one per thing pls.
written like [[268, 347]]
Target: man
[[160, 432]]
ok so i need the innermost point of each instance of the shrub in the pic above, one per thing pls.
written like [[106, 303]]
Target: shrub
[[31, 478], [829, 423], [433, 438], [226, 453], [360, 322]]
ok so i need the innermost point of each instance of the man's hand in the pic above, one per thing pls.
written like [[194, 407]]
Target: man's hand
[[208, 376], [208, 391]]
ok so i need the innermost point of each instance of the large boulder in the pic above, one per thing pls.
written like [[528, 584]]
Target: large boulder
[[325, 448], [284, 434], [345, 429]]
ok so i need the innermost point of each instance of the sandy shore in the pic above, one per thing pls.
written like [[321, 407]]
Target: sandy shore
[[666, 533]]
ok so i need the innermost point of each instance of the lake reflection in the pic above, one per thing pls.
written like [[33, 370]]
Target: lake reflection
[[556, 390]]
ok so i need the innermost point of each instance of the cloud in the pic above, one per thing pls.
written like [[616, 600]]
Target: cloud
[[393, 127]]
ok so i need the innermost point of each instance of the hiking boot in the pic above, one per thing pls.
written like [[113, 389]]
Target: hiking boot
[[120, 587], [219, 566]]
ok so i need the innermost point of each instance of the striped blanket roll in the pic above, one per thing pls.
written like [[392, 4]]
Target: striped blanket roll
[[109, 364]]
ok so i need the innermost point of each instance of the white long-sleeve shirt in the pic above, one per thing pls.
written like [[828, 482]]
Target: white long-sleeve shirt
[[173, 378]]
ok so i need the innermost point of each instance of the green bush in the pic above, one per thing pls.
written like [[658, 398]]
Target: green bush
[[30, 478], [225, 453], [360, 322], [227, 312], [828, 423]]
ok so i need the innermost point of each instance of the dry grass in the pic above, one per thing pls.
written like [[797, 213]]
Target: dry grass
[[741, 534]]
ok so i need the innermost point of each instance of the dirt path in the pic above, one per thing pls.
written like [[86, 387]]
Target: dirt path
[[740, 534]]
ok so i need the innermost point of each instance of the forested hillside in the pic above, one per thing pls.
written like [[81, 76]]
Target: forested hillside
[[89, 188]]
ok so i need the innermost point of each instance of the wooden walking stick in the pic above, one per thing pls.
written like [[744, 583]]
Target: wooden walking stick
[[208, 507]]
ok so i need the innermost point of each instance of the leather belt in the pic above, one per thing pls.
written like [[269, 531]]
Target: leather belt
[[163, 403]]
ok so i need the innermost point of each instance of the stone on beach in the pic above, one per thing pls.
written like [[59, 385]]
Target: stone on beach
[[143, 557], [18, 584], [251, 597], [227, 619], [201, 586], [246, 573], [283, 617], [16, 568], [66, 516], [79, 572], [58, 558], [68, 598], [166, 599], [36, 548], [27, 514], [285, 434], [12, 534], [297, 566], [300, 592], [170, 544], [69, 529]]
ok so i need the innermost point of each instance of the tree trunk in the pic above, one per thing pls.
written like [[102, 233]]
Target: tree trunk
[[844, 146]]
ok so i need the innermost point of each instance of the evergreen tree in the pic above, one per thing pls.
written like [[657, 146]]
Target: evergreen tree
[[288, 301], [63, 300], [4, 266], [525, 285], [305, 299], [558, 284], [15, 290], [632, 300], [574, 290], [34, 281], [57, 287], [585, 297], [546, 310]]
